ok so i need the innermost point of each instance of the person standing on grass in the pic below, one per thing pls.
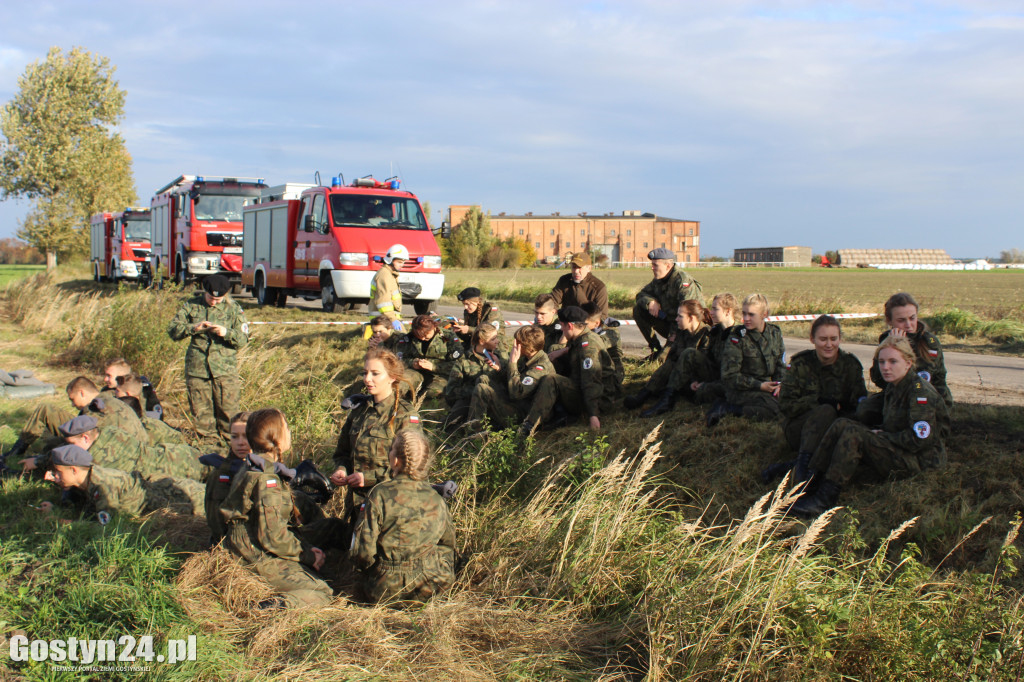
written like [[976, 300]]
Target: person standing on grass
[[385, 294], [580, 287], [821, 385], [478, 312], [258, 511], [404, 542], [654, 312], [915, 421], [216, 328], [901, 316], [752, 366]]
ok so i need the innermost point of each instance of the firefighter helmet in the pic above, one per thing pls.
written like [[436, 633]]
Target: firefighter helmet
[[396, 251]]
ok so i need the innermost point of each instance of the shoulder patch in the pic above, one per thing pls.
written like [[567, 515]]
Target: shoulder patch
[[734, 339], [224, 478], [414, 419], [96, 495], [584, 344], [527, 381], [588, 362], [539, 368], [456, 353], [399, 355], [933, 353], [925, 374], [922, 400], [496, 324], [922, 429], [272, 483], [404, 339], [558, 327], [103, 517], [245, 328], [686, 284], [743, 331]]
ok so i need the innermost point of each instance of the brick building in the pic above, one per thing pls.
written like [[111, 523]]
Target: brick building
[[622, 238]]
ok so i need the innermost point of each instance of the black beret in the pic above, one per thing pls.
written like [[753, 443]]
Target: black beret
[[79, 424], [469, 292], [573, 314], [216, 285], [71, 456]]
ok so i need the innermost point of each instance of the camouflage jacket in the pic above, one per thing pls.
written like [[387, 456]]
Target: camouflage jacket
[[485, 314], [113, 412], [591, 290], [611, 340], [699, 340], [930, 365], [915, 419], [161, 432], [218, 485], [366, 436], [117, 449], [593, 372], [467, 370], [403, 521], [523, 376], [258, 511], [112, 490], [808, 383], [719, 339], [670, 291], [209, 355], [552, 336], [443, 349], [750, 358]]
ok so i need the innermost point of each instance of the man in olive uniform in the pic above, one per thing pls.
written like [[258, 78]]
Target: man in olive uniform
[[216, 328], [545, 318], [591, 387], [581, 287], [507, 396], [104, 490], [385, 294], [113, 448], [607, 329], [429, 353], [658, 301], [478, 312]]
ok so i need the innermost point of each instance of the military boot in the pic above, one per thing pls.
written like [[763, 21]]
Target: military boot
[[773, 471], [802, 469], [664, 404], [631, 402], [816, 504], [721, 409]]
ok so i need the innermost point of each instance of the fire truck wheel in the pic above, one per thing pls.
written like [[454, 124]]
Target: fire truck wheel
[[261, 293], [328, 300], [96, 272], [180, 277]]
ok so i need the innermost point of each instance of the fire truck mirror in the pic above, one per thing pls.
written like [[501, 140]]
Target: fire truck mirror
[[308, 223]]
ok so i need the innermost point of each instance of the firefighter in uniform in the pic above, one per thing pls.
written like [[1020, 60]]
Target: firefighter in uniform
[[385, 294], [915, 420], [657, 302], [478, 312], [580, 286], [216, 328]]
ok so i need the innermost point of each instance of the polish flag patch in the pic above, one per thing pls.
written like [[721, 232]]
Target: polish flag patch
[[933, 353], [734, 339], [224, 478], [539, 368], [585, 344], [414, 419], [272, 483], [921, 400]]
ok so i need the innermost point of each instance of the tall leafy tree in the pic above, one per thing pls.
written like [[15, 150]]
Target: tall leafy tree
[[61, 149]]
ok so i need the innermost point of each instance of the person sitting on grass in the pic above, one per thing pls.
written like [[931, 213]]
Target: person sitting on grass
[[485, 356], [698, 374], [429, 353], [102, 491], [257, 512], [545, 317], [915, 422], [901, 315], [752, 366], [479, 312], [606, 328], [131, 391], [118, 369], [404, 542]]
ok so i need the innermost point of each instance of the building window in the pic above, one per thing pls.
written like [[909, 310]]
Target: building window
[[691, 231], [687, 258], [520, 233], [612, 233], [552, 232], [645, 245], [629, 233], [552, 245], [583, 232], [663, 232], [663, 245], [536, 245], [568, 245], [629, 245]]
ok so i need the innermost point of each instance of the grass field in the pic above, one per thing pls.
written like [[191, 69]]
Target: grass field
[[10, 273]]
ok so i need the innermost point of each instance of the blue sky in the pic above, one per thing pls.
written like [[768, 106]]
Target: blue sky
[[832, 125]]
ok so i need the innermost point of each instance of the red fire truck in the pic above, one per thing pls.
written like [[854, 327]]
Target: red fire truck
[[119, 244], [310, 240], [197, 226]]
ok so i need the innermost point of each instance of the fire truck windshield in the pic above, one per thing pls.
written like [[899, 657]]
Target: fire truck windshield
[[221, 207], [137, 230], [362, 210]]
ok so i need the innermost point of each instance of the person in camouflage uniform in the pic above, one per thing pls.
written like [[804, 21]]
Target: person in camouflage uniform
[[607, 329], [901, 315], [915, 421], [113, 448], [693, 332], [468, 369], [157, 431], [216, 328], [429, 353], [404, 541], [698, 374], [507, 396], [591, 388], [361, 455], [258, 511], [103, 491], [545, 318], [478, 312], [660, 298], [752, 366], [138, 387]]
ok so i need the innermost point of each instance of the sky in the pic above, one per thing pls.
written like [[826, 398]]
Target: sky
[[831, 125]]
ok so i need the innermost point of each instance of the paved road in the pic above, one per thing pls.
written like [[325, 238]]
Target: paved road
[[972, 377]]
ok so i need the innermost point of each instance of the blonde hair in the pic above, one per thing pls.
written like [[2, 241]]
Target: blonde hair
[[413, 452], [759, 300], [484, 332], [727, 301], [900, 344]]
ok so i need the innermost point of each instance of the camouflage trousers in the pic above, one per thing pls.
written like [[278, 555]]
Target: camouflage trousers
[[805, 432], [180, 495], [297, 584], [848, 442], [161, 432], [427, 383], [213, 401], [869, 410], [754, 404], [170, 459], [649, 325], [316, 528], [493, 401], [45, 420], [413, 580], [553, 389]]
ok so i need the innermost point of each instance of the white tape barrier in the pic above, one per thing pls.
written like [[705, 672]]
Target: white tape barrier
[[523, 323]]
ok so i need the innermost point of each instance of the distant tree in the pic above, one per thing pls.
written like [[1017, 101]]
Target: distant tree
[[16, 251], [833, 257], [60, 149], [713, 259], [426, 213], [471, 240], [1012, 256], [816, 259]]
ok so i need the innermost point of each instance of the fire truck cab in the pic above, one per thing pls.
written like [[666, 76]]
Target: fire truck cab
[[197, 226], [328, 242], [119, 244]]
